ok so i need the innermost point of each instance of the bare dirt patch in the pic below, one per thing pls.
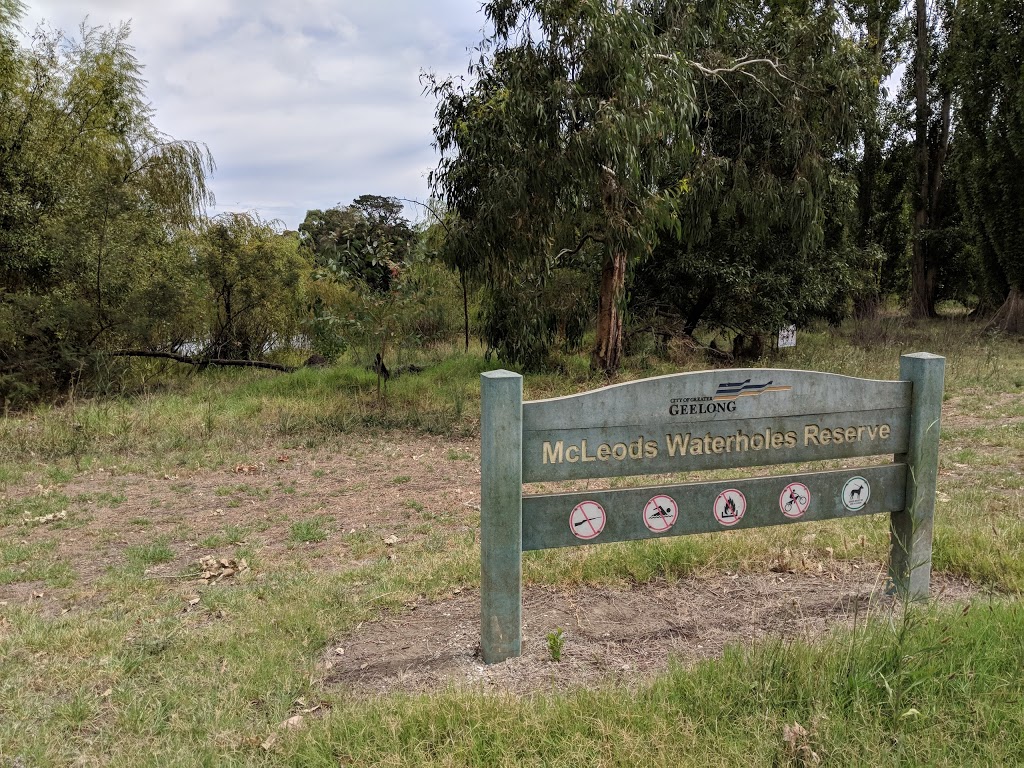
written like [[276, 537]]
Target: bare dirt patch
[[610, 635], [361, 490]]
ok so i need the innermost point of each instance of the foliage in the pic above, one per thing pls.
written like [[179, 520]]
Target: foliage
[[367, 241], [765, 211]]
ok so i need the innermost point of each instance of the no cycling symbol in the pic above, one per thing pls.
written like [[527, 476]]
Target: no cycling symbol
[[660, 513], [730, 507], [794, 500], [587, 520]]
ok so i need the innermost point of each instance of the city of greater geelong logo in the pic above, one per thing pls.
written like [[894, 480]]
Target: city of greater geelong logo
[[734, 390], [723, 401]]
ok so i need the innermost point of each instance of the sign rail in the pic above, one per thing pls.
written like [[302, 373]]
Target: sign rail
[[698, 421]]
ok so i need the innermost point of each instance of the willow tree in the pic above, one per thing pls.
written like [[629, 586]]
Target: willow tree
[[94, 200], [990, 136], [575, 112]]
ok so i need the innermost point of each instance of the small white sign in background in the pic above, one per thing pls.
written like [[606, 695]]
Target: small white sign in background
[[787, 337]]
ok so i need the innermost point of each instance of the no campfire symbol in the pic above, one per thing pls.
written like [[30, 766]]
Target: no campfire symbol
[[794, 499], [856, 493], [587, 520], [660, 513], [730, 507]]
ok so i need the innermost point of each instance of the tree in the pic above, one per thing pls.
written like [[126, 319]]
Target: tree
[[576, 113], [932, 134], [766, 212], [989, 68], [366, 240], [255, 285]]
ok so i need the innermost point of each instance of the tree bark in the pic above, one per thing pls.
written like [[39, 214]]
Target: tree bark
[[607, 352]]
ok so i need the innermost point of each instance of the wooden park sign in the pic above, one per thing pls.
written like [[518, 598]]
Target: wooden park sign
[[701, 421]]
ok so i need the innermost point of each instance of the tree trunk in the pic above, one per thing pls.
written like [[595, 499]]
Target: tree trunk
[[608, 347], [696, 313], [922, 299], [1010, 317], [465, 306]]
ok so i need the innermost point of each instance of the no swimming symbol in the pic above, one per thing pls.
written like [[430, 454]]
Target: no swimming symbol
[[661, 513]]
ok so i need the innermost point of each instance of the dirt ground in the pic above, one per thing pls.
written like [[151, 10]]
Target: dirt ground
[[407, 488], [609, 635]]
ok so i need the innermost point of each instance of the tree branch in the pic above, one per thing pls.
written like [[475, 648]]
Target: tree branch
[[203, 361]]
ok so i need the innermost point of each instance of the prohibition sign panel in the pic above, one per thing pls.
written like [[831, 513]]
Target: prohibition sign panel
[[856, 493], [587, 519], [794, 500], [661, 513], [730, 507]]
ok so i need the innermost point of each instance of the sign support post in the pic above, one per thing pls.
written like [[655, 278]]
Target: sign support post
[[910, 563], [501, 515]]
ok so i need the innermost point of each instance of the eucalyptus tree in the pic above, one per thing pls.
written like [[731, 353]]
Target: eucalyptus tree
[[575, 113], [989, 81]]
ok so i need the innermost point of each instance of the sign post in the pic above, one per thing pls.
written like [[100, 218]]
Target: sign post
[[501, 515], [910, 559], [700, 421]]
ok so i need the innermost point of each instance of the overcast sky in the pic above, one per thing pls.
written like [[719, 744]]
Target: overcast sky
[[304, 104]]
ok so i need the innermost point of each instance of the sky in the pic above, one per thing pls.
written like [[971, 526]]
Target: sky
[[304, 104]]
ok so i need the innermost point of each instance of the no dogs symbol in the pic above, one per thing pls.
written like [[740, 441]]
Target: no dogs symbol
[[587, 520], [660, 513], [856, 493], [730, 507]]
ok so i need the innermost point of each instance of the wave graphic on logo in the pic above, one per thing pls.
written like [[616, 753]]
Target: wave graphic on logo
[[734, 390]]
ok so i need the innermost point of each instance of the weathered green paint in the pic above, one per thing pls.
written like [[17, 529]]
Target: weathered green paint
[[635, 422], [866, 426], [501, 518], [910, 562], [546, 518]]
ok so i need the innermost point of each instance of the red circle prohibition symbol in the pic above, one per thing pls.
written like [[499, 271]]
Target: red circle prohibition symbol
[[794, 500], [661, 513], [587, 519], [730, 507]]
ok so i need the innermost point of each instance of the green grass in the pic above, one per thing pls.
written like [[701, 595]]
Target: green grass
[[144, 555], [137, 674], [313, 530]]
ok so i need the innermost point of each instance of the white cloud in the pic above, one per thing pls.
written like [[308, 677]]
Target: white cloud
[[303, 104]]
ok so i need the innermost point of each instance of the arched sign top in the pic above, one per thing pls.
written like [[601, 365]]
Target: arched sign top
[[710, 396]]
